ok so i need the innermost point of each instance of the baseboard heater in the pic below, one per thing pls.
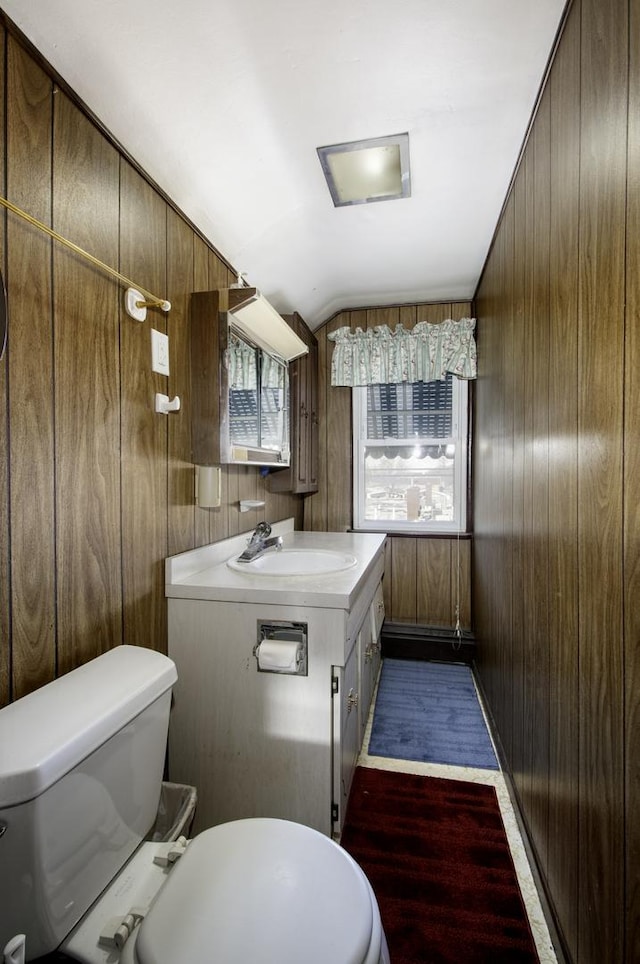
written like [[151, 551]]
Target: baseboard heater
[[409, 641]]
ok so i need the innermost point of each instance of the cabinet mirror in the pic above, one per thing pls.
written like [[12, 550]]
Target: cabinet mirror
[[257, 416]]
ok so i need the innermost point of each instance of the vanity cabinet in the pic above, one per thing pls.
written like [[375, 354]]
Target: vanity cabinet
[[301, 477], [258, 743]]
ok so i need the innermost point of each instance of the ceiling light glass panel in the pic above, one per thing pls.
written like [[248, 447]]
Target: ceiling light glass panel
[[371, 170]]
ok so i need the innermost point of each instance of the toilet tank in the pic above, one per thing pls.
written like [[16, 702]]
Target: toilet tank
[[81, 766]]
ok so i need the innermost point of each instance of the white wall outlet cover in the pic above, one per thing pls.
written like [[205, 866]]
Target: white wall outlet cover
[[159, 352]]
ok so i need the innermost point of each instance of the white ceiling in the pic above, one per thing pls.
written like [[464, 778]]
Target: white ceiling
[[224, 102]]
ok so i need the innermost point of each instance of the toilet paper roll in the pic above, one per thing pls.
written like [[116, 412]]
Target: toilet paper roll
[[278, 655]]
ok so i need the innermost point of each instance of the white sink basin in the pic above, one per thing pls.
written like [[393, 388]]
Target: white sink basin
[[295, 562]]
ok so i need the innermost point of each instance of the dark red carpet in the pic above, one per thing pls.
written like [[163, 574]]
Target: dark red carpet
[[438, 860]]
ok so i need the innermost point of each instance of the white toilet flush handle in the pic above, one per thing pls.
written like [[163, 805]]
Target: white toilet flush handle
[[14, 951]]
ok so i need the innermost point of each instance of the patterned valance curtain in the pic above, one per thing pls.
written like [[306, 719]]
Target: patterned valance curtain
[[424, 354]]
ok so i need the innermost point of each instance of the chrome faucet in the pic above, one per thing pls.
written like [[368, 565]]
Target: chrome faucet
[[261, 540]]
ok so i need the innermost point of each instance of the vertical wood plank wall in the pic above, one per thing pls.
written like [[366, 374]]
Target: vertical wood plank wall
[[95, 488], [556, 558], [423, 577]]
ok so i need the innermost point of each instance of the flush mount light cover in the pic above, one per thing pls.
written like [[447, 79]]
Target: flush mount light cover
[[359, 172]]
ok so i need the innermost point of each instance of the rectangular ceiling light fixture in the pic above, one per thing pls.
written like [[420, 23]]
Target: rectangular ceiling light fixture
[[359, 172]]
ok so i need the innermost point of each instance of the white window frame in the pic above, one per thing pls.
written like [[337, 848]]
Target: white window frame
[[459, 437]]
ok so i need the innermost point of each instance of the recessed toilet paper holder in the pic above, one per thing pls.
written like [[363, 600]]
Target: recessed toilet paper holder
[[282, 647]]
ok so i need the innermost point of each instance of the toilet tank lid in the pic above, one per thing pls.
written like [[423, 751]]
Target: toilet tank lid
[[47, 733]]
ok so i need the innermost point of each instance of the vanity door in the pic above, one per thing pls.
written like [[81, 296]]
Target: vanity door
[[346, 724]]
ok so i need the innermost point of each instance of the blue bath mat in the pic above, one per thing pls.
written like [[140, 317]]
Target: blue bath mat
[[429, 712]]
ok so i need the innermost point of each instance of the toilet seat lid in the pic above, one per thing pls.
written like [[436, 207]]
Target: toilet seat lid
[[264, 891]]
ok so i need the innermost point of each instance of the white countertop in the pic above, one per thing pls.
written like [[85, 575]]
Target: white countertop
[[203, 573]]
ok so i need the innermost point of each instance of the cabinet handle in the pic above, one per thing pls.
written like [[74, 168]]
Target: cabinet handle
[[368, 653], [352, 701], [303, 411]]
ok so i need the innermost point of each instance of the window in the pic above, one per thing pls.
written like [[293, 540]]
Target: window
[[410, 456]]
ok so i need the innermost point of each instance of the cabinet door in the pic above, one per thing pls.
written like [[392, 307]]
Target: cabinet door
[[367, 672], [377, 618], [313, 421], [301, 414], [346, 724], [302, 475]]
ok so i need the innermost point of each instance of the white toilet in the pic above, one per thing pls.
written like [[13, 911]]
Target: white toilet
[[81, 764]]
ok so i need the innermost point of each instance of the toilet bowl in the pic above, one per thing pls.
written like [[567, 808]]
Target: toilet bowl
[[79, 795]]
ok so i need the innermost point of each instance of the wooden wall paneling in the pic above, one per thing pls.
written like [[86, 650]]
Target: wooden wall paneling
[[461, 309], [338, 454], [404, 579], [30, 373], [600, 413], [520, 404], [200, 281], [248, 488], [575, 423], [483, 473], [5, 619], [632, 504], [235, 525], [461, 583], [87, 390], [144, 433], [275, 503], [509, 388], [494, 508], [539, 646], [562, 863], [203, 518], [408, 316], [316, 505], [433, 582], [499, 510], [218, 277], [483, 467], [433, 313], [351, 319], [484, 447], [180, 275], [379, 316], [529, 574]]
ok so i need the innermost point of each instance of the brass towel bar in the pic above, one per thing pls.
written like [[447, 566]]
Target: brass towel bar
[[151, 300]]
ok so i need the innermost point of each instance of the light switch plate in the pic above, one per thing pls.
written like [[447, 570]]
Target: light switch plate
[[159, 352]]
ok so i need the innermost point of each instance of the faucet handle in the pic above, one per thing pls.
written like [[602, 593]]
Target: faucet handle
[[261, 531]]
